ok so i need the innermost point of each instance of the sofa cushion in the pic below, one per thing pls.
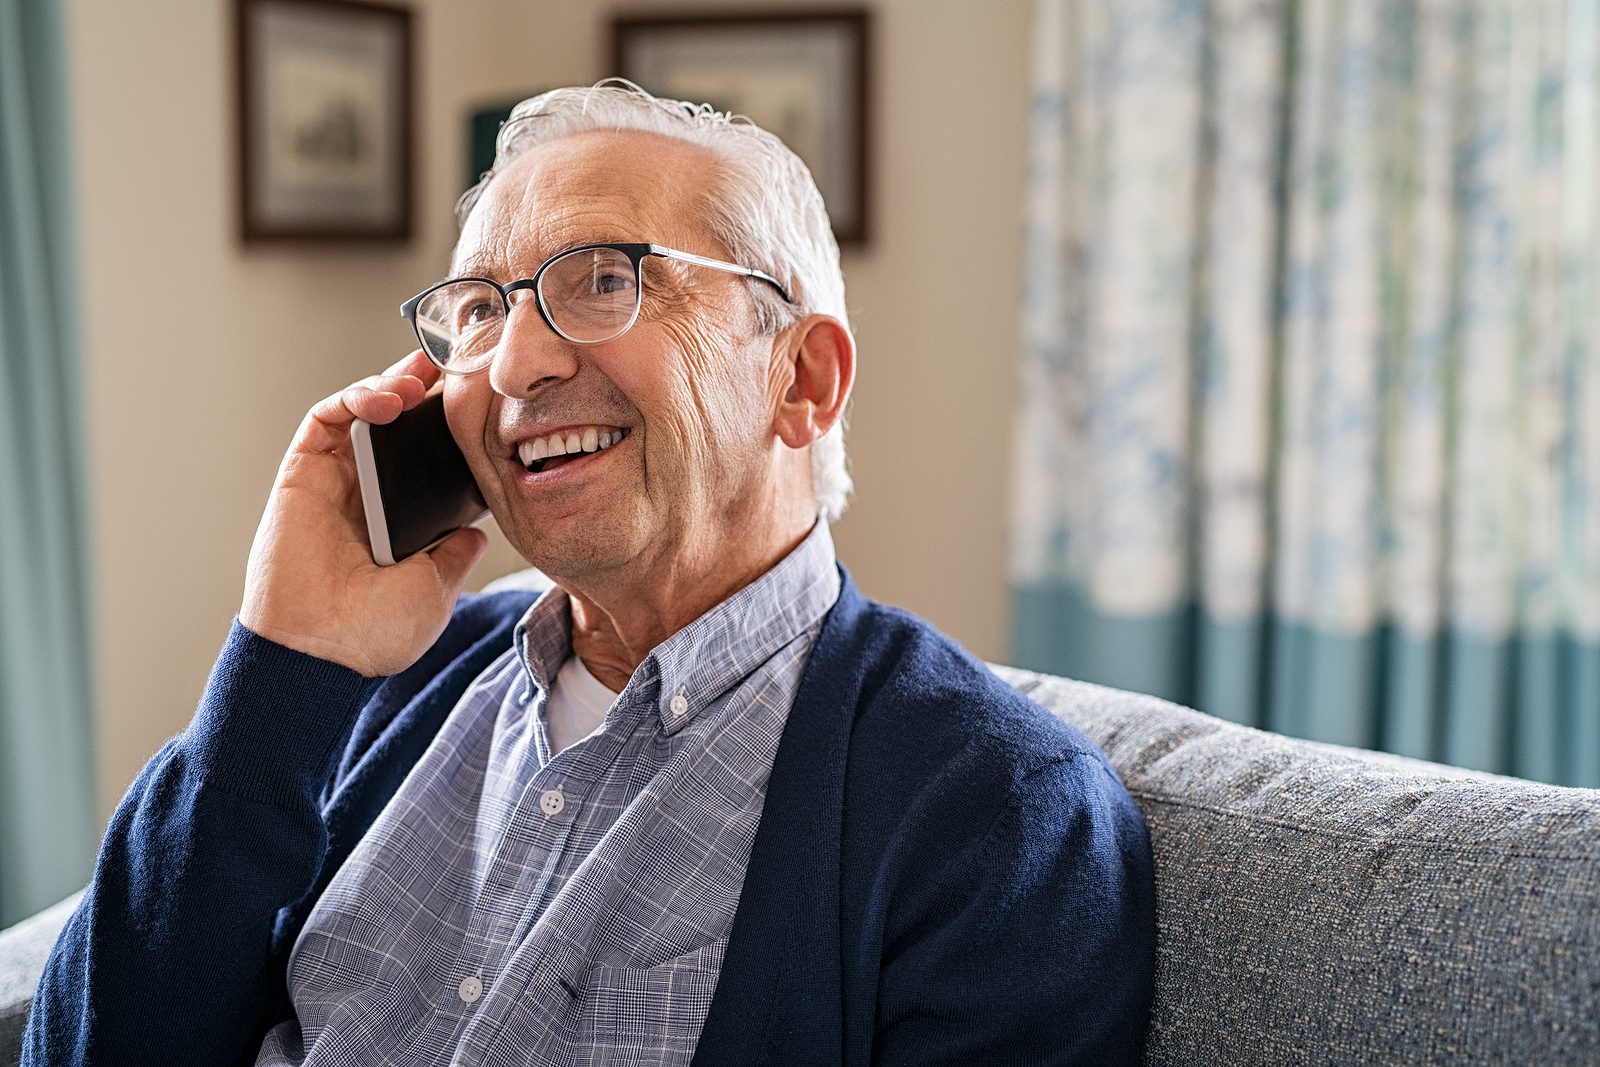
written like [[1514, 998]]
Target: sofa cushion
[[24, 948], [1327, 905]]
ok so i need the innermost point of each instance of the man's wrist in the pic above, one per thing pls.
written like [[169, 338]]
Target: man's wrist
[[272, 718], [255, 621]]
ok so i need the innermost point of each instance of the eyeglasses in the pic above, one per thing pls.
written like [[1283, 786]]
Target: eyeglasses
[[588, 295]]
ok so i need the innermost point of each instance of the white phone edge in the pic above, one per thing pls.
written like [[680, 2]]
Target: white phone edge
[[371, 497]]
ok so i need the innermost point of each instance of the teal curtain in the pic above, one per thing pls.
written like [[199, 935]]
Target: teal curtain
[[48, 827], [1308, 433]]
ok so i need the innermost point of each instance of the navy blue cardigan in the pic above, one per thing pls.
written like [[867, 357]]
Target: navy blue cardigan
[[943, 873]]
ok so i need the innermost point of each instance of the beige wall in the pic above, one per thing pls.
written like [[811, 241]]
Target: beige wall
[[201, 356]]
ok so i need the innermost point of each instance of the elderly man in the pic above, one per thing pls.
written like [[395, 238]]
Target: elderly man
[[699, 800]]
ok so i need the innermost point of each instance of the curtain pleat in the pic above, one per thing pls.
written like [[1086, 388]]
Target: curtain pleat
[[47, 818], [1308, 433]]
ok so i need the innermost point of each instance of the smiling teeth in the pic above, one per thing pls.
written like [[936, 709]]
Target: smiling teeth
[[568, 442]]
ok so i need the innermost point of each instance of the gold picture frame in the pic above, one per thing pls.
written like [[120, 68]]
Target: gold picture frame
[[804, 75]]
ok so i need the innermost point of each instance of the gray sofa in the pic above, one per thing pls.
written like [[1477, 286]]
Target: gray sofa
[[1316, 904]]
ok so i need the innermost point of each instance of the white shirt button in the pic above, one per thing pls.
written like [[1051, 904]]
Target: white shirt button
[[680, 704], [470, 989], [551, 802]]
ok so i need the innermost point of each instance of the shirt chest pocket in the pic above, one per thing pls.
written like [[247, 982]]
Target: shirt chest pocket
[[659, 1009]]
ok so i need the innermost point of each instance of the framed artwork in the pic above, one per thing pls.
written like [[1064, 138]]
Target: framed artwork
[[325, 120], [803, 75]]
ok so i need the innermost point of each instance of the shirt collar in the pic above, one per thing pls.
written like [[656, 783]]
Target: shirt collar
[[543, 638], [714, 653]]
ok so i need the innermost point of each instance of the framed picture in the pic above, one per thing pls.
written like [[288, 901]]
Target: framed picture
[[325, 120], [803, 76]]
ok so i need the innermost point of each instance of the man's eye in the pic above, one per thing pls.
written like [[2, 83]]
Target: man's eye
[[612, 282], [478, 313]]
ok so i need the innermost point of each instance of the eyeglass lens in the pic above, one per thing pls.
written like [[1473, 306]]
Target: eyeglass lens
[[588, 295]]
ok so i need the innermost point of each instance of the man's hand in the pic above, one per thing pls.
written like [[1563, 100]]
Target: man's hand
[[311, 583]]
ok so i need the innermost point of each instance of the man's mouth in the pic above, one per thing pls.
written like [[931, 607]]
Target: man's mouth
[[563, 446]]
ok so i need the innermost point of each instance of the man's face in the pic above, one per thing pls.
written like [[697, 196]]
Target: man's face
[[689, 387]]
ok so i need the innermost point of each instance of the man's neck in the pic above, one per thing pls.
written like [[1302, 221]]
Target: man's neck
[[615, 627]]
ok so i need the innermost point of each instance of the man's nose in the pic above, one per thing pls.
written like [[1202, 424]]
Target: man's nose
[[531, 355]]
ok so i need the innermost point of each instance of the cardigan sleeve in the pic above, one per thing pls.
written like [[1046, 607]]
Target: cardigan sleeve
[[1035, 942], [169, 958]]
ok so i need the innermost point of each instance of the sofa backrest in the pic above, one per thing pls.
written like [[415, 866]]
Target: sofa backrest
[[1314, 904], [1325, 905]]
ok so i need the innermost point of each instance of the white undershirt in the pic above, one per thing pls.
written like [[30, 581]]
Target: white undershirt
[[577, 705]]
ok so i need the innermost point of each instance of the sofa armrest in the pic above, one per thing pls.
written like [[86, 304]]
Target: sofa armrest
[[23, 951]]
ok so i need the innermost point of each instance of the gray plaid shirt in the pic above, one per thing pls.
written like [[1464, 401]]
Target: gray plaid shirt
[[510, 907]]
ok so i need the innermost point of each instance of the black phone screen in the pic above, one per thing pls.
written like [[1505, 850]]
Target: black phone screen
[[423, 479]]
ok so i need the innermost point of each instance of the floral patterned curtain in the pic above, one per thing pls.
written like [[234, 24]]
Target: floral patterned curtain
[[1309, 418]]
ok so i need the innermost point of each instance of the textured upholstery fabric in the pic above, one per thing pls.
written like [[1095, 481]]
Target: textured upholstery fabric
[[23, 950], [1315, 904], [1324, 905]]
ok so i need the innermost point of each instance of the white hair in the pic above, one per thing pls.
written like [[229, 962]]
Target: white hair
[[766, 210]]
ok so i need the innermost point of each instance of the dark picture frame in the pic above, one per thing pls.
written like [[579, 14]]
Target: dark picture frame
[[325, 120], [802, 74]]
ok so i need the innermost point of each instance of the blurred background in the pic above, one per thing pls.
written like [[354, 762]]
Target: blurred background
[[1238, 351]]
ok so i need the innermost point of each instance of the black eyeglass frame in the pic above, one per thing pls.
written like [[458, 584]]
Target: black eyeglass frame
[[635, 251]]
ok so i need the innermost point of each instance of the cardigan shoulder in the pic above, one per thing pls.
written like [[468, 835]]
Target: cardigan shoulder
[[940, 748], [996, 877], [926, 704], [911, 785]]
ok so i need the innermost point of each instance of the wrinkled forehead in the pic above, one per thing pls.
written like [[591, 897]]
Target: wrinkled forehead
[[621, 185]]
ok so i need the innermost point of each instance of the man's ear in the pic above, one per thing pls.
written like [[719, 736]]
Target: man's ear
[[815, 363]]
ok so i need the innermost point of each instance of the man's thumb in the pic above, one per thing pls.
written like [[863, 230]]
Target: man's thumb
[[455, 555]]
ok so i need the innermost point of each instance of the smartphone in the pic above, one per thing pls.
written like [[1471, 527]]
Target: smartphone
[[416, 487]]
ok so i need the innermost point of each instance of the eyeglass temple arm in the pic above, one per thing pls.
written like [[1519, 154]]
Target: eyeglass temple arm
[[734, 268]]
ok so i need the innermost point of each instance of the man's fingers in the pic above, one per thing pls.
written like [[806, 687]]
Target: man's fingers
[[407, 387], [379, 398], [418, 365], [327, 425]]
